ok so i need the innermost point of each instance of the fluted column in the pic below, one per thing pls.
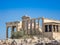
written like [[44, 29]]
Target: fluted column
[[31, 27], [17, 29], [38, 26], [34, 26], [23, 24], [27, 26]]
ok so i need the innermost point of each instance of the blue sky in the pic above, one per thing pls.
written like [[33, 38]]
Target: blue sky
[[13, 10]]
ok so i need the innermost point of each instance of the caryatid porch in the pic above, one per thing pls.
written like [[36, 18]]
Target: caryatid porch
[[51, 28]]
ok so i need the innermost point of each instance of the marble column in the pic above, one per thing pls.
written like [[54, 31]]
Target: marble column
[[27, 26], [23, 24], [17, 29], [48, 28], [58, 28], [34, 26], [38, 24], [6, 32], [12, 30], [52, 28], [31, 26], [43, 29]]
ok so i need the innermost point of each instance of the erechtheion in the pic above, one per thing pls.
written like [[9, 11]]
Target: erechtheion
[[50, 28]]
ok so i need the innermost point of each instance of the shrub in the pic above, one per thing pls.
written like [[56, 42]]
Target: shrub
[[17, 34]]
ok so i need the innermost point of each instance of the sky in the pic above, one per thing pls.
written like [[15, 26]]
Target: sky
[[13, 10]]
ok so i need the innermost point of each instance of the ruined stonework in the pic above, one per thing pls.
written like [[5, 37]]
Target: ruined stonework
[[49, 28]]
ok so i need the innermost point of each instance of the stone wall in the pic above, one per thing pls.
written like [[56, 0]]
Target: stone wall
[[56, 35], [48, 35]]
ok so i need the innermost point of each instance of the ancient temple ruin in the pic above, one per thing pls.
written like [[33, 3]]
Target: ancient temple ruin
[[50, 28]]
